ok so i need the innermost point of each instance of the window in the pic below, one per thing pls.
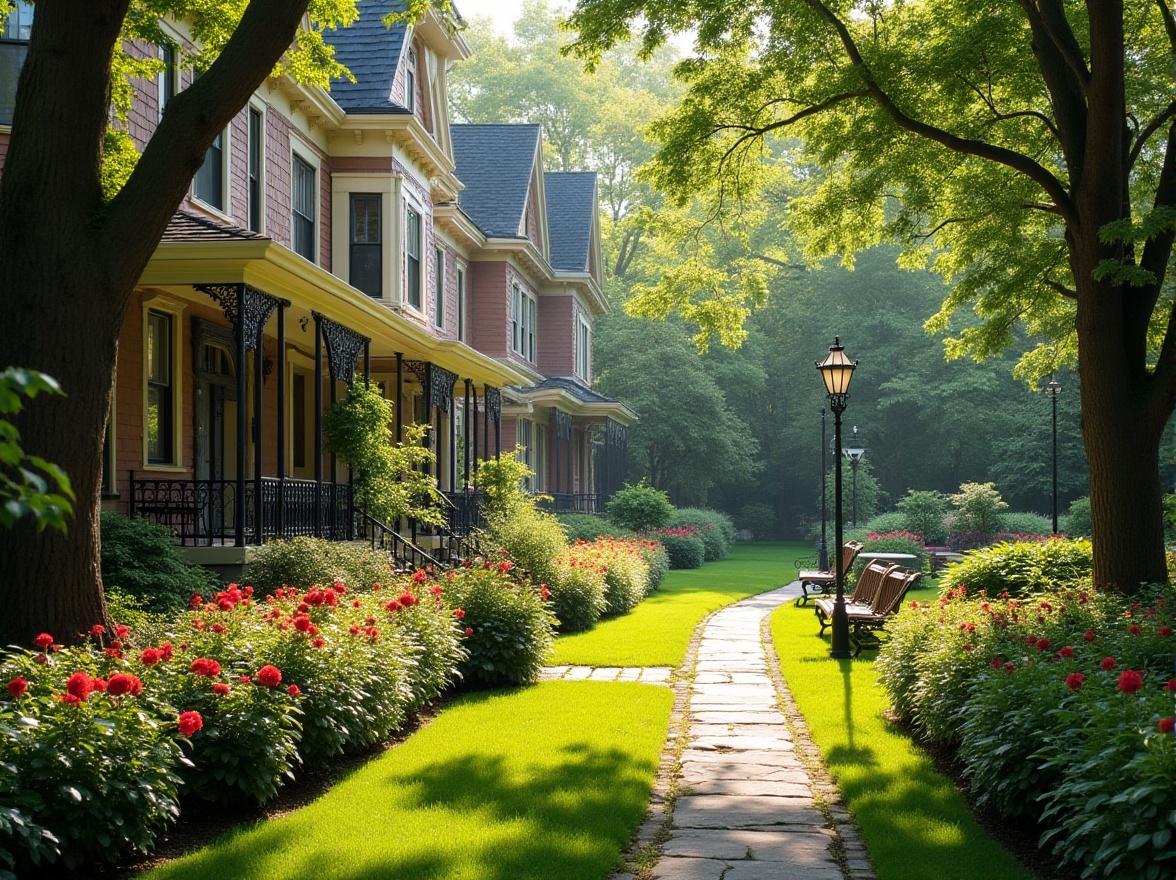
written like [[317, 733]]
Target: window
[[366, 268], [584, 351], [160, 390], [461, 305], [522, 324], [256, 165], [524, 443], [532, 321], [410, 82], [540, 458], [209, 185], [298, 415], [305, 192], [412, 249], [19, 24], [439, 288], [169, 77], [516, 296]]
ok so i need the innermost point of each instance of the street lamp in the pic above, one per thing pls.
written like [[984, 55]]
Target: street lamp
[[823, 553], [1053, 389], [853, 454], [836, 371]]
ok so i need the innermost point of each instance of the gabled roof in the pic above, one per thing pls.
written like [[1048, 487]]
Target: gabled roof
[[495, 163], [371, 51], [577, 389], [186, 226], [571, 204]]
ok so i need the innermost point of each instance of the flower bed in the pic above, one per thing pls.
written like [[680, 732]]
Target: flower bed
[[1061, 707]]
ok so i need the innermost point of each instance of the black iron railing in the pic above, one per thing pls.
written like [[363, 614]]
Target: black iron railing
[[203, 512], [580, 502], [406, 556]]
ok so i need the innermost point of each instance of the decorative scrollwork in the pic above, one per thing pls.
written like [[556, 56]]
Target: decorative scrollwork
[[343, 348], [563, 425], [441, 382], [246, 308], [493, 398], [420, 369], [615, 434]]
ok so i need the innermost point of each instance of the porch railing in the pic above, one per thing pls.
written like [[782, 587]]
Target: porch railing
[[202, 513], [406, 556], [579, 502]]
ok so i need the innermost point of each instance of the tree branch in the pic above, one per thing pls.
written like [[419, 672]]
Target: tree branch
[[1055, 23], [1067, 292], [1151, 128], [138, 215], [774, 262], [1169, 22], [1009, 158]]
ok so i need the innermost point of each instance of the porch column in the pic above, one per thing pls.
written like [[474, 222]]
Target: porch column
[[474, 432], [452, 443], [280, 370], [343, 348], [485, 422], [242, 429], [318, 425], [467, 414], [555, 447], [367, 363], [399, 397], [258, 408], [571, 453]]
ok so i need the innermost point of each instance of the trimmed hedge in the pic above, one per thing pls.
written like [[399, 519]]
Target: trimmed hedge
[[683, 547], [143, 561], [1021, 568], [586, 527], [302, 563]]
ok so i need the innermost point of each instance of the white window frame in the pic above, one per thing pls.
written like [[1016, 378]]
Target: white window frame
[[463, 315], [524, 311], [262, 109], [410, 207], [176, 312], [225, 212], [164, 96], [310, 157], [583, 349], [438, 287], [410, 75]]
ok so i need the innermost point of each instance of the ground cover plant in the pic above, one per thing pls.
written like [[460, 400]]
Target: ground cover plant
[[913, 820], [658, 631], [545, 783]]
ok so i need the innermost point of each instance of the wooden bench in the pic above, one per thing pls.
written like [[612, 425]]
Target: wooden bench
[[862, 597], [886, 604], [819, 580]]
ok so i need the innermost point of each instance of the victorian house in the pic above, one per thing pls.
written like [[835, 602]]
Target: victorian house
[[344, 234]]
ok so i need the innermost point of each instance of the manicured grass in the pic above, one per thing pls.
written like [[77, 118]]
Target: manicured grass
[[547, 782], [914, 821], [658, 630]]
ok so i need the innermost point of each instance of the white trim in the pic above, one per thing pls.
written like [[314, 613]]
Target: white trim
[[309, 155], [261, 107], [462, 299], [586, 372], [175, 311], [439, 301], [410, 203], [224, 213]]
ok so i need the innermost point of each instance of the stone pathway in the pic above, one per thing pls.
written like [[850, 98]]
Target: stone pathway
[[752, 802], [644, 674]]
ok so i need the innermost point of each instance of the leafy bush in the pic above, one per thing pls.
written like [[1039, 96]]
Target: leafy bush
[[924, 514], [532, 539], [684, 548], [961, 542], [1077, 520], [979, 508], [640, 508], [143, 560], [1021, 568], [714, 528], [302, 563], [585, 527], [46, 496], [1028, 524], [898, 542], [626, 573], [757, 518], [501, 482], [577, 593], [887, 522], [509, 626], [659, 564]]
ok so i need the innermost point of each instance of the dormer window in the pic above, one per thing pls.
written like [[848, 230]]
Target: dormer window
[[410, 82]]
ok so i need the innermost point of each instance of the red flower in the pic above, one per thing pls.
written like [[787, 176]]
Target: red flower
[[1130, 681], [196, 601], [1043, 644], [355, 603], [469, 630], [1134, 630], [394, 605], [1167, 725], [1066, 652], [97, 630], [17, 687], [68, 698], [42, 659], [244, 679], [1088, 635], [302, 622], [270, 676], [1165, 631], [219, 628], [1074, 680], [418, 576], [293, 691], [220, 689], [1108, 664], [166, 649], [407, 599], [206, 667], [459, 614], [189, 723], [123, 683], [1171, 685], [99, 684], [122, 631], [44, 640], [317, 643], [150, 656], [79, 685], [354, 630]]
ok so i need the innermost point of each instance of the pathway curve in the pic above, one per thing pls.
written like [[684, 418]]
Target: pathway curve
[[750, 804]]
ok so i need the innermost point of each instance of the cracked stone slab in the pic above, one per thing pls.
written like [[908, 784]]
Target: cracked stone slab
[[734, 811], [689, 869], [798, 848], [708, 716], [695, 774], [739, 742], [774, 758], [752, 787]]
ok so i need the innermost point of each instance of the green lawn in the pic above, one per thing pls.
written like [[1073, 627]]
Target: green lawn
[[913, 819], [658, 630], [547, 782]]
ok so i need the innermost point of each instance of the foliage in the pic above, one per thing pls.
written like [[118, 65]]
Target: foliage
[[392, 479], [501, 481], [870, 496], [658, 561], [532, 539], [715, 528], [143, 560], [509, 626], [897, 542], [586, 527], [640, 508], [577, 594], [924, 513], [29, 485], [978, 508], [623, 562], [892, 521], [684, 548], [1031, 524], [757, 518], [303, 562], [1021, 568]]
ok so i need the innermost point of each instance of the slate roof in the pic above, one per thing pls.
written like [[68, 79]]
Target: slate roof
[[186, 226], [573, 386], [495, 164], [571, 203], [371, 51]]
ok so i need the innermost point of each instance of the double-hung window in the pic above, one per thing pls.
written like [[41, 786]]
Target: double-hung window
[[256, 166], [161, 390], [439, 288], [584, 350], [169, 77], [209, 184], [461, 305], [412, 258], [524, 314], [410, 82], [303, 220], [366, 261]]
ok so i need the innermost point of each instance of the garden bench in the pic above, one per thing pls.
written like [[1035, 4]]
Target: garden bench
[[886, 603], [823, 580], [941, 556], [862, 597]]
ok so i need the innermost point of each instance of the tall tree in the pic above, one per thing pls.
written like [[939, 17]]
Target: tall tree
[[1027, 149], [80, 216]]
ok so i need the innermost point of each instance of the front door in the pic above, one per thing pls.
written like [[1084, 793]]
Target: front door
[[215, 387]]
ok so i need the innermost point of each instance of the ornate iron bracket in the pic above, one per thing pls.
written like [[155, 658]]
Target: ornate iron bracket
[[245, 307], [343, 348], [563, 425], [436, 382], [615, 434], [493, 398]]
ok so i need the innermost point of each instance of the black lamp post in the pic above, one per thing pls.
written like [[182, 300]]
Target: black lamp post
[[1053, 389], [854, 453], [823, 552], [836, 371]]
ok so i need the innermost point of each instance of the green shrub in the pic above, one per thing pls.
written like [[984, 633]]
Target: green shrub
[[897, 542], [577, 594], [302, 563], [532, 539], [641, 508], [659, 564], [924, 514], [757, 518], [626, 572], [716, 529], [1077, 520], [143, 560], [1029, 524], [510, 628], [978, 508], [1021, 568], [683, 547], [888, 522], [585, 527]]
